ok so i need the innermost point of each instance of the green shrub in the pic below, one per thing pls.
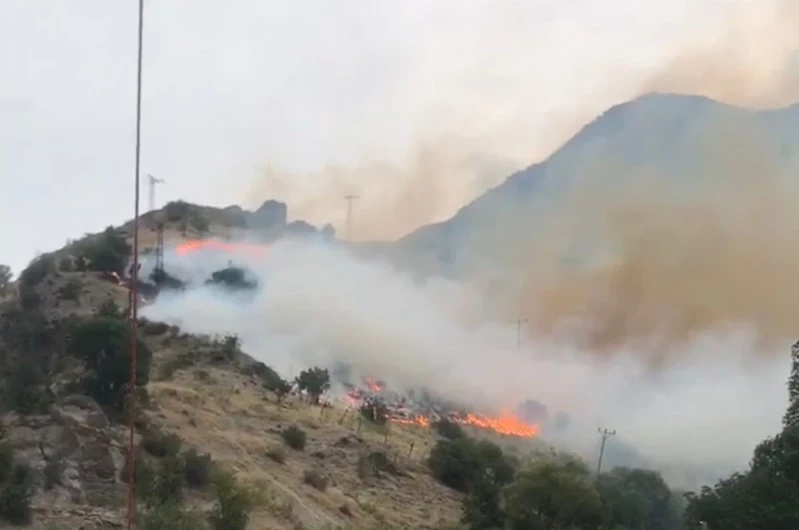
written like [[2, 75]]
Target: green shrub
[[23, 391], [231, 510], [36, 271], [166, 485], [104, 345], [6, 461], [197, 469], [449, 429], [176, 210], [106, 252], [66, 264], [294, 437], [458, 463], [70, 290], [109, 309], [53, 469], [15, 498], [315, 381], [160, 444], [170, 516], [199, 223]]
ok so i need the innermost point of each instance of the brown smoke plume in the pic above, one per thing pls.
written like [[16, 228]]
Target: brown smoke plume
[[718, 255], [393, 198], [750, 59]]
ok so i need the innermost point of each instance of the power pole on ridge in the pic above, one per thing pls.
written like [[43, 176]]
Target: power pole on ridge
[[605, 434], [349, 199], [153, 181]]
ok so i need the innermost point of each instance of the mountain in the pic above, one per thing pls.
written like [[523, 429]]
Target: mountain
[[665, 136]]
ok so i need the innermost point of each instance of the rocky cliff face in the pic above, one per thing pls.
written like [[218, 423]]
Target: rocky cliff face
[[77, 457]]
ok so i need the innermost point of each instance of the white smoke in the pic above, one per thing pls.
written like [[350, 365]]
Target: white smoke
[[695, 419]]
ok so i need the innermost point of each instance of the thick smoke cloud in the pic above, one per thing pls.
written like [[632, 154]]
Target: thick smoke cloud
[[700, 286], [680, 255], [746, 56], [490, 121], [318, 304]]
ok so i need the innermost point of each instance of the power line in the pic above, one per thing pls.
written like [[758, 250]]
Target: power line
[[519, 323], [134, 284], [349, 199], [605, 433]]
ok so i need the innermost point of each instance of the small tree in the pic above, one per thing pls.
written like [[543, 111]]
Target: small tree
[[481, 509], [294, 437], [315, 381], [104, 344], [230, 344], [15, 497], [231, 510], [5, 279], [553, 493], [24, 389], [281, 388], [197, 468], [107, 252], [448, 429], [199, 223], [36, 271]]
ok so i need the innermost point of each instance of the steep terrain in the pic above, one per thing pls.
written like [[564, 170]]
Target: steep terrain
[[676, 140], [212, 397]]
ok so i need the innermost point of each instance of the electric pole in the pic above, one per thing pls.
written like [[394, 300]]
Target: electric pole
[[349, 199], [519, 323], [153, 182], [605, 433]]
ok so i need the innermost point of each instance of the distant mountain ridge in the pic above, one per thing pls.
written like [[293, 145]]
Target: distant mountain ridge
[[657, 134]]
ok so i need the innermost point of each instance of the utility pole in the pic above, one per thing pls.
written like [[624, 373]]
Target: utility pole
[[519, 323], [605, 433], [349, 199], [134, 283], [153, 182]]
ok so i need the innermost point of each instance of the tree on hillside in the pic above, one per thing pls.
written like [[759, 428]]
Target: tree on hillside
[[791, 416], [36, 271], [637, 498], [315, 381], [556, 494], [766, 496], [104, 345], [458, 463], [106, 252], [5, 279], [280, 387]]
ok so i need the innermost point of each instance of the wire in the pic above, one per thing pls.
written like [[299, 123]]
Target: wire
[[134, 284]]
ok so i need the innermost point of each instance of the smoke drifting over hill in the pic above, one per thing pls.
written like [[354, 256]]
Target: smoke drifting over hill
[[740, 53], [318, 304], [695, 280]]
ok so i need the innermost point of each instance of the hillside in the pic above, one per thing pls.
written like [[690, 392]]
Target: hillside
[[674, 140], [205, 391]]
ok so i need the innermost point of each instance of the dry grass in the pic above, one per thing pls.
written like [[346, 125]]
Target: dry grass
[[228, 415]]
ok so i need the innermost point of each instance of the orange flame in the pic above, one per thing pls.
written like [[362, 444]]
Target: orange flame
[[195, 245], [506, 423], [373, 385]]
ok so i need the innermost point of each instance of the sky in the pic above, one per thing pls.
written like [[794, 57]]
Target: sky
[[246, 100]]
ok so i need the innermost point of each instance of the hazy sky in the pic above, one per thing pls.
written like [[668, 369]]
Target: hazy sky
[[233, 86]]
